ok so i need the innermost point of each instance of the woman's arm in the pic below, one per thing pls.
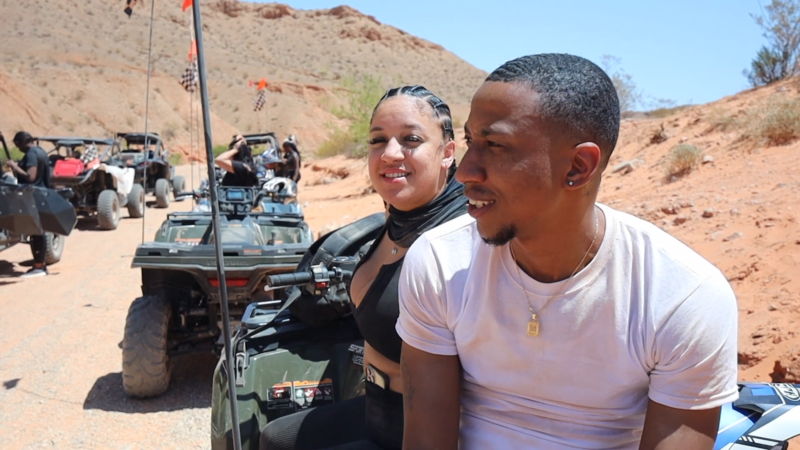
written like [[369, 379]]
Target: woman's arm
[[224, 160]]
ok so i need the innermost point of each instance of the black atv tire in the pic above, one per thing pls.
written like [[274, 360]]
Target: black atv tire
[[136, 201], [54, 249], [145, 362], [178, 185], [162, 192], [108, 213]]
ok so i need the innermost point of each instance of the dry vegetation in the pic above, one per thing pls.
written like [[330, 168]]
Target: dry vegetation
[[81, 79]]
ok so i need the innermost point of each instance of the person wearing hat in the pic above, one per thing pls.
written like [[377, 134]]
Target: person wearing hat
[[270, 161], [32, 170]]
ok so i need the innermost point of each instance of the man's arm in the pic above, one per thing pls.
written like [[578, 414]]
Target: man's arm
[[669, 428], [431, 402]]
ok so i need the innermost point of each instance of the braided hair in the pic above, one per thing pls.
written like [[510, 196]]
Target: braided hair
[[440, 109]]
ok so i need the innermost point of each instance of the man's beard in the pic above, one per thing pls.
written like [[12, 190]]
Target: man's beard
[[502, 237]]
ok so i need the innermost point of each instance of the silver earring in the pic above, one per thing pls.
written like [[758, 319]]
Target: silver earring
[[571, 183]]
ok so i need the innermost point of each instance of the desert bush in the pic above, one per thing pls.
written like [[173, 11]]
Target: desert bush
[[682, 159], [719, 120], [780, 59], [660, 113], [169, 131], [175, 159], [777, 122], [360, 97]]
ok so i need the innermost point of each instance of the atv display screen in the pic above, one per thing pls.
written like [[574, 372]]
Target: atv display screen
[[236, 195]]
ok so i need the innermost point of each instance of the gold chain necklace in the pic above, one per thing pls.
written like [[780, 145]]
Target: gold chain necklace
[[534, 326]]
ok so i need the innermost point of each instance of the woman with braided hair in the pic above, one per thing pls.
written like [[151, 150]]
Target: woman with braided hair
[[411, 166]]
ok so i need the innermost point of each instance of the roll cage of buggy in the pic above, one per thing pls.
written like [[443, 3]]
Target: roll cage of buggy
[[146, 154], [95, 191]]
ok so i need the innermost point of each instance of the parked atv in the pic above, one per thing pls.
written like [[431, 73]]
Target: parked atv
[[100, 186], [308, 353], [179, 311], [151, 161]]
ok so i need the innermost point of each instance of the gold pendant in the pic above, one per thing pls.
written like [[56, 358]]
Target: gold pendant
[[533, 326]]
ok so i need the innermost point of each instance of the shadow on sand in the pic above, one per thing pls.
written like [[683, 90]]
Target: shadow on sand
[[190, 387]]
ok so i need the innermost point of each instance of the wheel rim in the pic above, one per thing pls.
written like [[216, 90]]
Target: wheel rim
[[56, 243]]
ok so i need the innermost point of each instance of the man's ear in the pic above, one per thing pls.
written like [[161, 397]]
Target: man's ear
[[449, 154], [586, 161]]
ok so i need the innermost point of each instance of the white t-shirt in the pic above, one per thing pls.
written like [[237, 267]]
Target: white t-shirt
[[647, 318]]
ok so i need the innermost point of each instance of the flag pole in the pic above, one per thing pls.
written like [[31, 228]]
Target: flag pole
[[212, 184]]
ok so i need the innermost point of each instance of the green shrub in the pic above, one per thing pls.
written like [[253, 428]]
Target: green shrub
[[219, 149], [175, 159], [777, 122], [660, 113], [361, 96], [682, 159]]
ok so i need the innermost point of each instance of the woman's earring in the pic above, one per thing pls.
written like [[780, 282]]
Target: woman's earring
[[571, 183]]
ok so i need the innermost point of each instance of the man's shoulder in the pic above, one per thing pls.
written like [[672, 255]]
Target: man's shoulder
[[661, 247], [452, 231]]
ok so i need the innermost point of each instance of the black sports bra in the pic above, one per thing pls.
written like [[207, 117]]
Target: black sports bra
[[378, 311]]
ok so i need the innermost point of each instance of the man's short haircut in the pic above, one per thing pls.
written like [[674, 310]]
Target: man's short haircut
[[22, 138], [576, 95]]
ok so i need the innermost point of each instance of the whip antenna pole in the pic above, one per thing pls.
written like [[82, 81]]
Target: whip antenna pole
[[212, 184], [147, 113]]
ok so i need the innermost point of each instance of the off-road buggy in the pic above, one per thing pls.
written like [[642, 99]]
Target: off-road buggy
[[27, 211], [91, 169], [298, 357], [179, 311], [151, 161]]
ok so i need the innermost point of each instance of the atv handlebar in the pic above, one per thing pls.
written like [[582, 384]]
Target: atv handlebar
[[318, 278], [290, 279]]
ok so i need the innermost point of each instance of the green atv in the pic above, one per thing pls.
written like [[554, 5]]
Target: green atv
[[307, 353], [179, 311]]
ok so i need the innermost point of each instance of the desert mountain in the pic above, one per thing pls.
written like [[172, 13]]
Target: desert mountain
[[79, 67]]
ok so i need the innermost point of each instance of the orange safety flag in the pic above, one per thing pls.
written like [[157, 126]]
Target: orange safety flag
[[262, 84], [187, 4], [193, 50]]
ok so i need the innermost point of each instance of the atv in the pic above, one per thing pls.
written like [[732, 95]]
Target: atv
[[147, 155], [179, 311], [298, 357], [21, 210], [99, 184], [307, 353]]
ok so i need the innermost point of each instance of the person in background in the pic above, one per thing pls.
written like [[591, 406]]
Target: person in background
[[238, 164], [290, 168], [32, 170]]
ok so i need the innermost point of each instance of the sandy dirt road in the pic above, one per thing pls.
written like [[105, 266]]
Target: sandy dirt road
[[60, 360]]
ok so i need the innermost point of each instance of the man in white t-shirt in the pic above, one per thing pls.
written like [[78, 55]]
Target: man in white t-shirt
[[546, 320]]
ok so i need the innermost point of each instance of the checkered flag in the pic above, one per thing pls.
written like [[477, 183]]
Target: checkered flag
[[190, 78], [259, 100]]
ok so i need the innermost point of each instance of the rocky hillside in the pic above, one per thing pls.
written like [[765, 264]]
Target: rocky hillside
[[79, 67]]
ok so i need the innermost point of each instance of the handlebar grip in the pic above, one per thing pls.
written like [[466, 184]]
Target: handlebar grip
[[290, 279]]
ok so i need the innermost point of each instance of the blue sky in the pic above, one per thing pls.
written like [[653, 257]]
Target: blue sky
[[686, 51]]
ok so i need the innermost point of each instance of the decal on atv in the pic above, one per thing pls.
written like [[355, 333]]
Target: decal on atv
[[308, 394], [788, 391], [280, 396], [357, 354]]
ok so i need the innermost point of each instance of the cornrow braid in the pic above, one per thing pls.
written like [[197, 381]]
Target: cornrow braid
[[440, 109]]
